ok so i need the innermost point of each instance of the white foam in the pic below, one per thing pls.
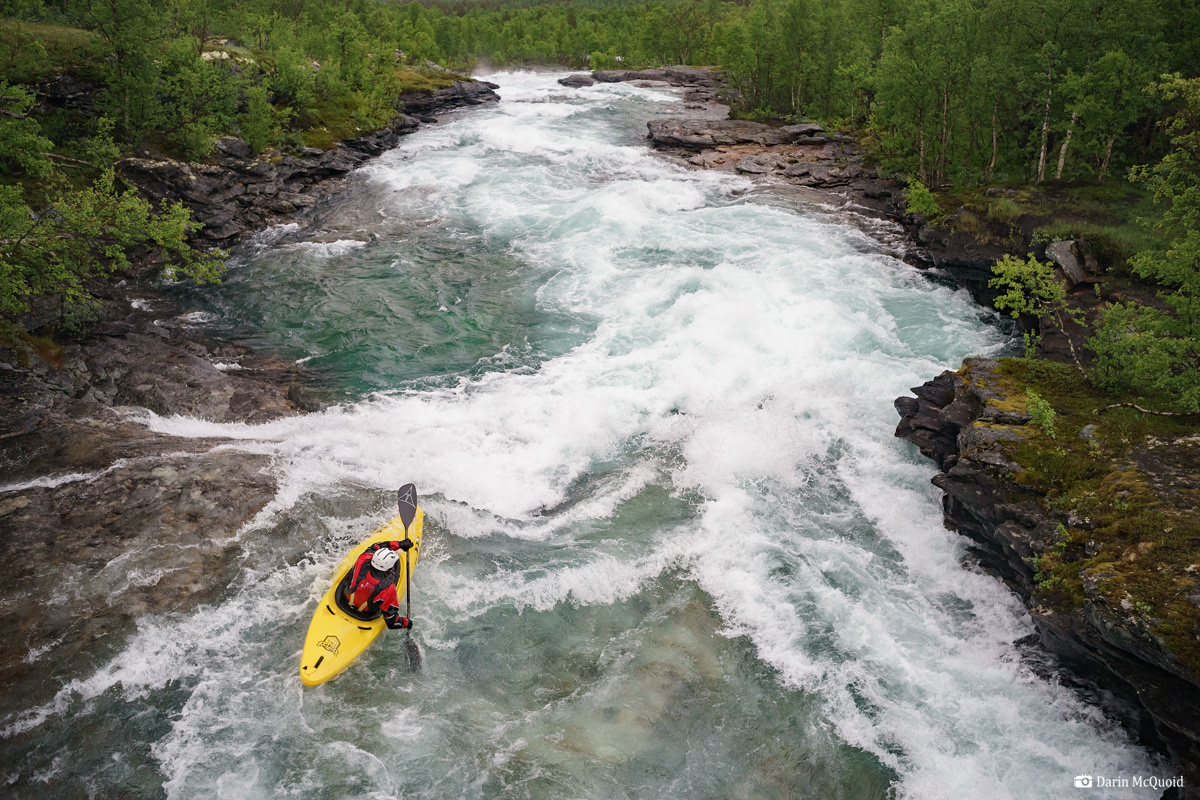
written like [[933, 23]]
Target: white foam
[[323, 250], [54, 481]]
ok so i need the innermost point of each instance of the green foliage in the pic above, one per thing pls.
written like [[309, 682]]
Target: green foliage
[[258, 125], [1175, 182], [84, 234], [1029, 287], [130, 31], [948, 91], [1144, 351], [21, 142], [1041, 412], [54, 244], [202, 99], [919, 200], [1154, 352]]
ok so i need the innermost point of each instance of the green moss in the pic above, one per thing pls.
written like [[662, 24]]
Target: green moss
[[1139, 540], [415, 80]]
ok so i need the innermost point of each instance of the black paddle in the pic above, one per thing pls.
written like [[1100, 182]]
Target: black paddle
[[408, 512]]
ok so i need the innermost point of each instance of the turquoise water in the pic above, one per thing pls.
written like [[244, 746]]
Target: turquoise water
[[673, 548]]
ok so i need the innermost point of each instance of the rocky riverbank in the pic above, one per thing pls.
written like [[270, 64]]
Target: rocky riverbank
[[84, 485], [1117, 603], [236, 193]]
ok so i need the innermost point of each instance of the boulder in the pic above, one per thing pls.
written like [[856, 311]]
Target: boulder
[[1067, 257], [760, 164], [577, 81], [801, 129], [233, 146]]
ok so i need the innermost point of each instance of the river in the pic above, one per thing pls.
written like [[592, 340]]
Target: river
[[672, 550]]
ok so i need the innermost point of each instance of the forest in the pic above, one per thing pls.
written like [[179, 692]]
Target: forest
[[946, 94]]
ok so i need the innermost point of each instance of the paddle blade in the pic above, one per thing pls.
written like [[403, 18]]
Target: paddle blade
[[414, 654], [408, 504]]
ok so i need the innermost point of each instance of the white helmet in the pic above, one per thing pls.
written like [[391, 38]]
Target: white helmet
[[384, 559]]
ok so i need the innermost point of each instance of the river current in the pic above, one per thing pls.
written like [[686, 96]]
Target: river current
[[672, 548]]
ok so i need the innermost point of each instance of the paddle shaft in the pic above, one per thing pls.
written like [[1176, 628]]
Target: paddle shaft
[[407, 586]]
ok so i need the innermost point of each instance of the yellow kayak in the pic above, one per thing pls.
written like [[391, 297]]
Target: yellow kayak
[[334, 637]]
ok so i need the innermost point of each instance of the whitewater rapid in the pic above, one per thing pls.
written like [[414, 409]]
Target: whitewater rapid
[[673, 548]]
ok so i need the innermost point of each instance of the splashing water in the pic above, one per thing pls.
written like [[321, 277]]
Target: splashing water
[[673, 549]]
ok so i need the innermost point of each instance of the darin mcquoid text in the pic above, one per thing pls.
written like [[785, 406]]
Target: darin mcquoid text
[[1137, 782]]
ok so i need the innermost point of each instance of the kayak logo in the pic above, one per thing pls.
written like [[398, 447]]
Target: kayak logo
[[332, 643], [1083, 781]]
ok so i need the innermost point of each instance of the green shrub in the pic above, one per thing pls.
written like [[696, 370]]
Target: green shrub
[[1042, 413], [919, 200], [258, 124], [1029, 287]]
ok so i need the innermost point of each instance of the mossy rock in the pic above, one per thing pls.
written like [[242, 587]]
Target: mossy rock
[[1132, 486]]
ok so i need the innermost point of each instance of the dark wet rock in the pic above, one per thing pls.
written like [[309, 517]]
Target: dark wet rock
[[233, 147], [797, 131], [698, 134], [155, 533], [963, 422], [69, 93], [456, 95], [673, 76], [577, 81], [88, 485], [760, 164]]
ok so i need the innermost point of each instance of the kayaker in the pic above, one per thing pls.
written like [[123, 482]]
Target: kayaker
[[370, 586]]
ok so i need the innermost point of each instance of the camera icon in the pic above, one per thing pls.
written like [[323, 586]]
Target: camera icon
[[1083, 781]]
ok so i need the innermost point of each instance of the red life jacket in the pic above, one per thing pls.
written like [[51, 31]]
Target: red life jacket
[[370, 592]]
